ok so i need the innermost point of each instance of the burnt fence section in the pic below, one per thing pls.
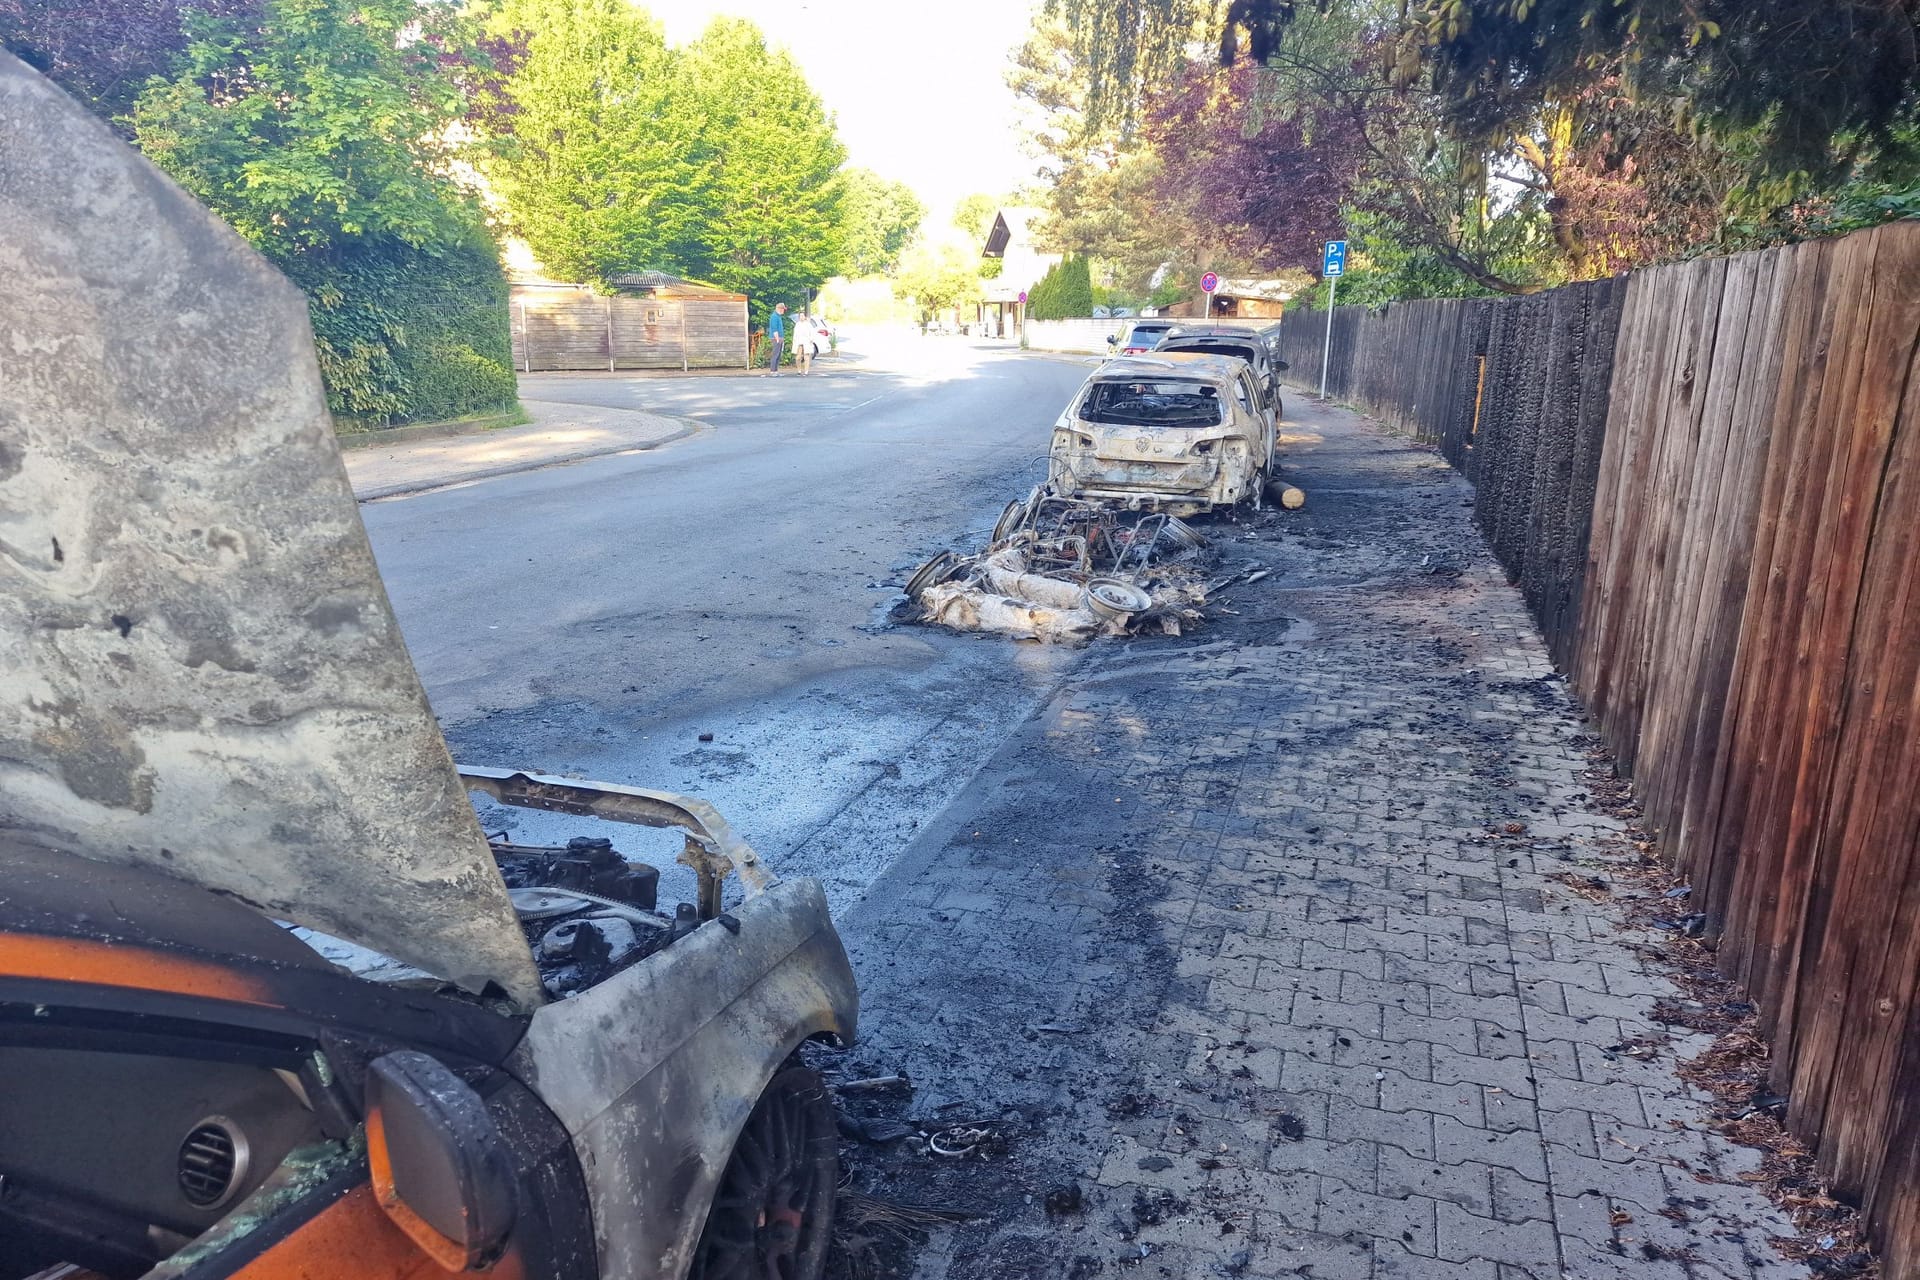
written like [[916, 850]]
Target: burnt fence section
[[1706, 478], [1512, 392]]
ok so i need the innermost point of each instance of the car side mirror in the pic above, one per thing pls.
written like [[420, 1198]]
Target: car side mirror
[[1282, 365], [1113, 339], [440, 1167]]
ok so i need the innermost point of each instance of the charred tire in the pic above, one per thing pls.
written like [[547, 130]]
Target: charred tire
[[1184, 535], [1009, 520], [932, 573], [772, 1215]]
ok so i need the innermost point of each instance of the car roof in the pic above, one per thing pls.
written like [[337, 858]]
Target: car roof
[[1170, 364], [1245, 339], [1220, 331]]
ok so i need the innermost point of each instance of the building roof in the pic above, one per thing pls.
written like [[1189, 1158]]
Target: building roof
[[660, 284], [1265, 290], [1011, 226]]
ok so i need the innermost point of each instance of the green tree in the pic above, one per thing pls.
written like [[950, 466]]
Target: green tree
[[940, 274], [1066, 291], [1798, 102], [773, 227], [1814, 85], [974, 214], [1098, 177], [322, 131], [103, 52], [880, 218], [321, 120], [599, 162]]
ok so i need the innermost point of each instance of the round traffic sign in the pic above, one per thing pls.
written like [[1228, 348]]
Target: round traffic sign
[[1209, 282], [1023, 295]]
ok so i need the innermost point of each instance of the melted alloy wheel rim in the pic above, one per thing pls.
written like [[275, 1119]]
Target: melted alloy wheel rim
[[773, 1212]]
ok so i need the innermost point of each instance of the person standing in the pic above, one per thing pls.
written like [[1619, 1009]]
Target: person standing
[[806, 338], [777, 336]]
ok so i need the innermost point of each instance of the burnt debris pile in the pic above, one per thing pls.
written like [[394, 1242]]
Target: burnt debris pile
[[1065, 570]]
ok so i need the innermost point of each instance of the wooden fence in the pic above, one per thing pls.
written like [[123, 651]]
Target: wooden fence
[[576, 330], [1741, 468], [1514, 394]]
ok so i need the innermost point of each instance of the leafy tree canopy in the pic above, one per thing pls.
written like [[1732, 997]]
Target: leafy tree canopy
[[1818, 84], [1097, 178], [599, 162], [318, 121], [1475, 145], [103, 52], [614, 154], [774, 227], [940, 273], [326, 131], [974, 214], [881, 217]]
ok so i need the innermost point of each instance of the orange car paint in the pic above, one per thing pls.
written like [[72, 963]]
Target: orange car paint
[[353, 1237], [25, 955]]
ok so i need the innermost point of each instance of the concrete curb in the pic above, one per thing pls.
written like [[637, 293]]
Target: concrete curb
[[1067, 357], [688, 428], [427, 431]]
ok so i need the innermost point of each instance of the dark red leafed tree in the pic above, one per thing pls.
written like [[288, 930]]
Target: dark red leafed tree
[[104, 51], [1268, 182]]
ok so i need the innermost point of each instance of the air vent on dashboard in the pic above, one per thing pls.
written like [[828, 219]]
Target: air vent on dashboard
[[212, 1162]]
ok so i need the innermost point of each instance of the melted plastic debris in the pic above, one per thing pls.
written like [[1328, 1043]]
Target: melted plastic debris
[[1064, 570]]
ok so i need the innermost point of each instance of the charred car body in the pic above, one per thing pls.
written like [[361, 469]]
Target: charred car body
[[270, 1002], [1180, 433], [1239, 343]]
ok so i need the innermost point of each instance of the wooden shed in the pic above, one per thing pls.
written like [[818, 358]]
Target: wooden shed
[[651, 321]]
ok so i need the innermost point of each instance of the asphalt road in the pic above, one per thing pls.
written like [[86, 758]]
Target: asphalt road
[[597, 618]]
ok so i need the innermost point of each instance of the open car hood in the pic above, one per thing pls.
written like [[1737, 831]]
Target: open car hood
[[199, 667]]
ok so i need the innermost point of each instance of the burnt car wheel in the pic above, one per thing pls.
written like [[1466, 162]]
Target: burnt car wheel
[[772, 1216]]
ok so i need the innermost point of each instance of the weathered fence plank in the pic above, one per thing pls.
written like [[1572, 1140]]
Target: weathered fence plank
[[1706, 480], [576, 330]]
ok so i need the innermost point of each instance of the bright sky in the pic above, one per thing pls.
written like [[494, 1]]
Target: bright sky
[[918, 87]]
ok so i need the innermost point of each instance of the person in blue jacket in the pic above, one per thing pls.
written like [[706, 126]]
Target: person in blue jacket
[[776, 336]]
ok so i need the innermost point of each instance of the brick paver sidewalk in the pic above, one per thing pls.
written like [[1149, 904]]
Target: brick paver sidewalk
[[1244, 939]]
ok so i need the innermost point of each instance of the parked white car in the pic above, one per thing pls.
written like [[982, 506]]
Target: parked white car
[[1178, 433], [816, 332]]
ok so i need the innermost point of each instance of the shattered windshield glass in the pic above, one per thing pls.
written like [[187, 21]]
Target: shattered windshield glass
[[1153, 404]]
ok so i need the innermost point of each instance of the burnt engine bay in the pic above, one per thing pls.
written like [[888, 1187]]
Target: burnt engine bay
[[587, 912]]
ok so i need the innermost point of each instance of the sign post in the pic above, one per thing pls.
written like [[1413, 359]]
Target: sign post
[[1208, 283], [1332, 266]]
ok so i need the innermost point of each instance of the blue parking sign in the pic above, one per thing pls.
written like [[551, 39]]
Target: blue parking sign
[[1335, 263]]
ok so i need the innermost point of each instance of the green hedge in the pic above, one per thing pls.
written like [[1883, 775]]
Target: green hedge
[[1064, 292], [409, 335]]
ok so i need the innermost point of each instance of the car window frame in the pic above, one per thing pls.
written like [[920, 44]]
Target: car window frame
[[1250, 378], [1245, 394], [1082, 404]]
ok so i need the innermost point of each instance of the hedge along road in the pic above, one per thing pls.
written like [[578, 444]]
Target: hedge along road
[[598, 618]]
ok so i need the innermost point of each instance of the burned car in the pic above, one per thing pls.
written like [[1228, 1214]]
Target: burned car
[[271, 1002], [1180, 433], [1243, 344]]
